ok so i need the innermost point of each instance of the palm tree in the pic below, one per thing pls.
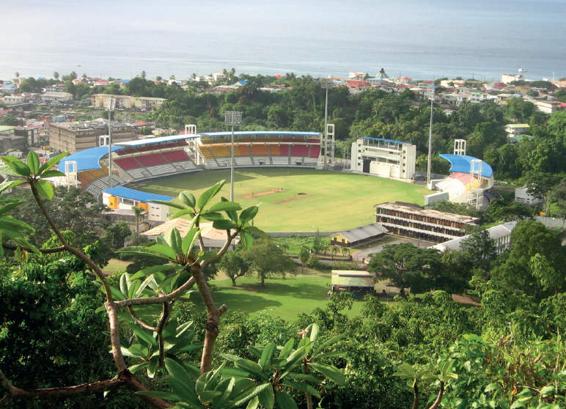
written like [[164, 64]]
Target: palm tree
[[138, 213]]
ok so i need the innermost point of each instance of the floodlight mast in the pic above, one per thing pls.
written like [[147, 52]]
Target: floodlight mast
[[429, 161], [326, 84], [110, 109], [232, 118]]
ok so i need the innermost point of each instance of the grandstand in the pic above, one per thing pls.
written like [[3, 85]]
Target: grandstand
[[469, 178], [254, 149]]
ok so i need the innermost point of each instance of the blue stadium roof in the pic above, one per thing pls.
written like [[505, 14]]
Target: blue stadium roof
[[463, 164], [87, 159], [379, 139], [137, 195], [253, 133]]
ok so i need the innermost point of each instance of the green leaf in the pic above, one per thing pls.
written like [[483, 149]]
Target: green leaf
[[247, 239], [189, 240], [224, 224], [224, 207], [168, 203], [33, 162], [188, 199], [52, 161], [287, 348], [253, 403], [256, 391], [248, 214], [45, 189], [176, 370], [314, 332], [285, 401], [332, 373], [183, 212], [16, 165], [266, 355], [267, 398], [209, 194], [144, 336], [52, 174]]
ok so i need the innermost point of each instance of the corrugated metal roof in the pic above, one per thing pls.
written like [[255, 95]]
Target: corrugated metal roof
[[463, 163], [364, 232], [87, 159], [137, 195]]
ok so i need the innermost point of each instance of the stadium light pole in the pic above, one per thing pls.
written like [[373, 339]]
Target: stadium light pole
[[429, 161], [232, 118], [326, 84], [110, 109]]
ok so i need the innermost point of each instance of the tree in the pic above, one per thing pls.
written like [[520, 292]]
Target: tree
[[408, 266], [267, 258], [138, 214], [304, 256], [234, 265], [535, 263], [56, 76]]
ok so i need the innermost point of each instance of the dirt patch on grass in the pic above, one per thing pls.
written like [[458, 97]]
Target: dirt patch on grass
[[253, 195], [298, 196]]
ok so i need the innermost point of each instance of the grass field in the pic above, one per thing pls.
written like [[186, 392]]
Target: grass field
[[285, 298], [298, 199]]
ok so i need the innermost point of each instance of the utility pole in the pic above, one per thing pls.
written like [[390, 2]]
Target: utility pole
[[232, 118], [429, 162]]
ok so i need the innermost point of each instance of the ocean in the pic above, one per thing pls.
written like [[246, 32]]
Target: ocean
[[422, 39]]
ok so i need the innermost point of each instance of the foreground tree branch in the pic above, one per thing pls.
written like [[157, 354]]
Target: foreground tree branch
[[91, 387]]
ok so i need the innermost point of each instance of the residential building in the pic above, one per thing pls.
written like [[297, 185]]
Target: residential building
[[384, 157], [9, 141], [410, 220], [516, 131], [76, 136], [126, 102], [56, 96], [548, 107]]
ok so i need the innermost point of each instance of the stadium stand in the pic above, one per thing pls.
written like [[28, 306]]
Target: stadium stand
[[162, 156]]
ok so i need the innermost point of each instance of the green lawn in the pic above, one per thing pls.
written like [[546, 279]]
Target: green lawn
[[298, 199], [285, 298]]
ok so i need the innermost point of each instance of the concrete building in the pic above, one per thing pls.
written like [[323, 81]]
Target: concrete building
[[515, 132], [9, 141], [410, 220], [126, 102], [548, 107], [384, 157], [76, 136], [56, 96], [500, 234]]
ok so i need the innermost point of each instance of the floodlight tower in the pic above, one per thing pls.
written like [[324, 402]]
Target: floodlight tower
[[429, 161], [232, 118], [111, 104], [326, 84]]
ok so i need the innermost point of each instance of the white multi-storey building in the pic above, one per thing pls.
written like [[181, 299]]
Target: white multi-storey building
[[384, 157]]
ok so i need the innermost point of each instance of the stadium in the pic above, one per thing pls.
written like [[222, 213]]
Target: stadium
[[286, 172]]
